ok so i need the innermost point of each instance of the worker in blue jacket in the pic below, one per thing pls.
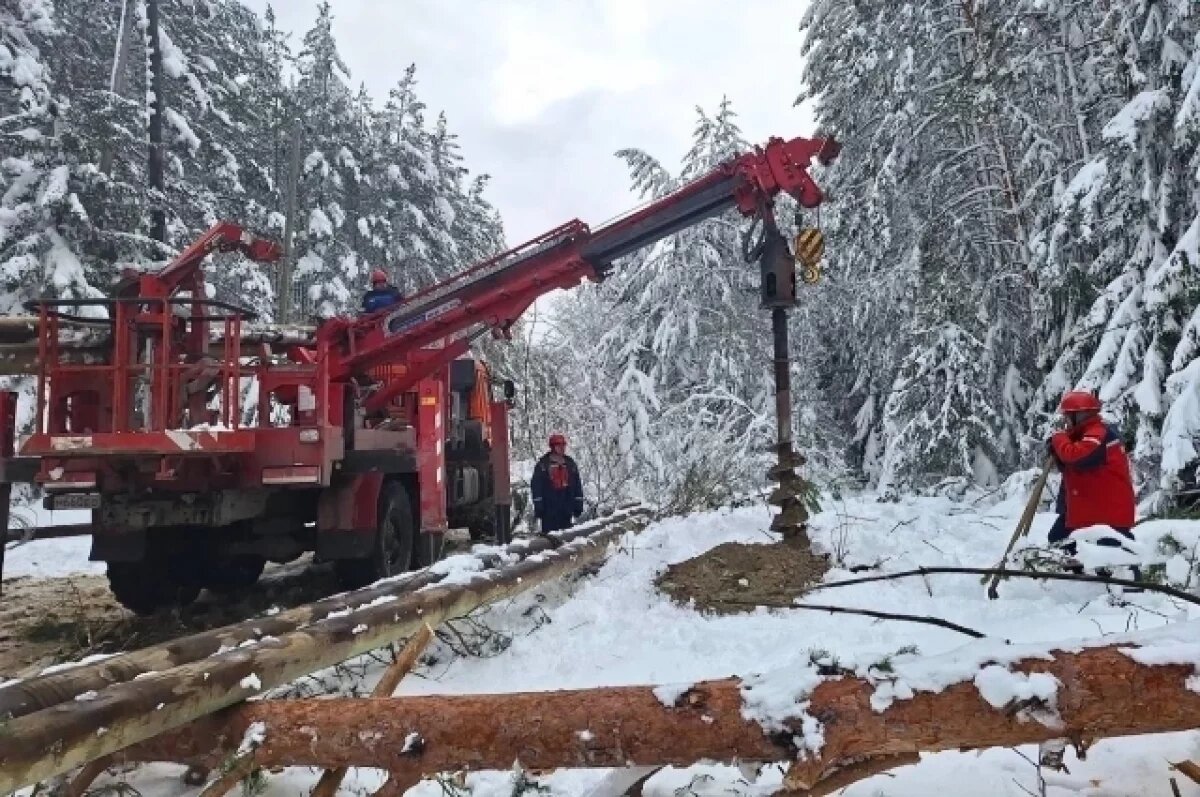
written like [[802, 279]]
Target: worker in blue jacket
[[382, 294]]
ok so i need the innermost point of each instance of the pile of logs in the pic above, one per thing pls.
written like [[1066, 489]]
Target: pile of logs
[[68, 719]]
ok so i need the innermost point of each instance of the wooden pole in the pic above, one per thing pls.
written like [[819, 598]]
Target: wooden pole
[[155, 172], [63, 737], [1023, 526], [328, 785], [1102, 692], [82, 781], [285, 263], [42, 692], [238, 770]]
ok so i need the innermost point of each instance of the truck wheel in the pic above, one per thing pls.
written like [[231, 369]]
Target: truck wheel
[[392, 548], [234, 573], [145, 587]]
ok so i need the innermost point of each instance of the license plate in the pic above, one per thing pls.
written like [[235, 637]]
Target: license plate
[[73, 501]]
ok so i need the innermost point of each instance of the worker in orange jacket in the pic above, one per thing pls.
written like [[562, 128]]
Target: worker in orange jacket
[[1097, 486]]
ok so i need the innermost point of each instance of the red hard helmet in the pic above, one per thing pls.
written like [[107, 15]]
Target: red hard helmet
[[1079, 401], [557, 440], [378, 276]]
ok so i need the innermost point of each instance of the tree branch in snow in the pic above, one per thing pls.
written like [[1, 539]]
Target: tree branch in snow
[[1004, 573], [905, 618]]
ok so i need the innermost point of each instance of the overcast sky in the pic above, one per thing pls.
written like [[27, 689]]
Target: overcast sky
[[541, 93]]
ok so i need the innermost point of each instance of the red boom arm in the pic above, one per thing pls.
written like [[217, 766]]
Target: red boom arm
[[494, 294]]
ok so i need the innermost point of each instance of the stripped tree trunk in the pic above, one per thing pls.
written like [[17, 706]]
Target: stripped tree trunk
[[1102, 692], [41, 692], [68, 735]]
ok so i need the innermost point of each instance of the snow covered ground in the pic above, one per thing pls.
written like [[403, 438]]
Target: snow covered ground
[[67, 556], [615, 628]]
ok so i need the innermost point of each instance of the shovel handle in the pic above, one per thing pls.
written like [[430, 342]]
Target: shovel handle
[[1025, 523]]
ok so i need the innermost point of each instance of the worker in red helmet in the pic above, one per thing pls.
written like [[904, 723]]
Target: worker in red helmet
[[382, 294], [556, 487], [1097, 487]]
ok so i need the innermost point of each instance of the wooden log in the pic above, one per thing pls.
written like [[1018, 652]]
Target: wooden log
[[1102, 693], [63, 737], [82, 781], [331, 779], [794, 784], [396, 785], [239, 769], [1189, 768], [44, 691]]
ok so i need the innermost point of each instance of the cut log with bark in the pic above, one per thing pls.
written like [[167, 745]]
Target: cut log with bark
[[65, 736], [43, 691], [1102, 692]]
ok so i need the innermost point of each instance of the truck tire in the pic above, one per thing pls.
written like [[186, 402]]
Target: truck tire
[[145, 587], [392, 548]]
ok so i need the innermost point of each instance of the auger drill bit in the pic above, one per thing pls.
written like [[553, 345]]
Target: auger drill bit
[[792, 520]]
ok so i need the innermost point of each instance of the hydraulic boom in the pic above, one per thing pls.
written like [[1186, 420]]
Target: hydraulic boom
[[494, 294]]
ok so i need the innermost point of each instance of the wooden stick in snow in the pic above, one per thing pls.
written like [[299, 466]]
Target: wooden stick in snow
[[921, 572], [239, 769], [1023, 526], [80, 784], [328, 785]]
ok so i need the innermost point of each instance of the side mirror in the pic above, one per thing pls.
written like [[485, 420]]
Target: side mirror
[[510, 389]]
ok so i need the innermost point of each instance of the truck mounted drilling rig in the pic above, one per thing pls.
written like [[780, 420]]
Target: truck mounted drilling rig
[[362, 445]]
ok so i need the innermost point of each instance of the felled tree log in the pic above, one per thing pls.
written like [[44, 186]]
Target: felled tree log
[[43, 691], [63, 737], [1102, 692]]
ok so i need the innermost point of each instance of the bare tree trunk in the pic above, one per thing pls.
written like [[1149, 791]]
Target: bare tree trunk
[[155, 172], [1102, 692], [1085, 148], [119, 80]]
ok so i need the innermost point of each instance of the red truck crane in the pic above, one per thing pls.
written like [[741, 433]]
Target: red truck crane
[[362, 445]]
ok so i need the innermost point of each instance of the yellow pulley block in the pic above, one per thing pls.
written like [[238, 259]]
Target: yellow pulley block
[[809, 248]]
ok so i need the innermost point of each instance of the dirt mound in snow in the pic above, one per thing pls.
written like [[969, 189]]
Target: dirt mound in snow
[[736, 577]]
